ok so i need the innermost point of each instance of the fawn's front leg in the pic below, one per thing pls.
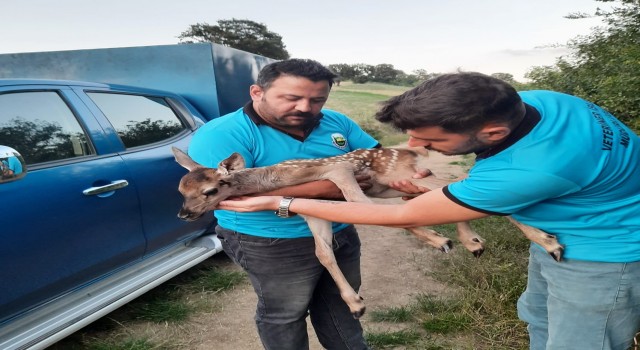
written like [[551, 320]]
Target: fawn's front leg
[[545, 240], [470, 239], [323, 237], [432, 238]]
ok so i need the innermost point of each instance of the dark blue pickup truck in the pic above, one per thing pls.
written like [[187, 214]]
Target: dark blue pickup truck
[[88, 196]]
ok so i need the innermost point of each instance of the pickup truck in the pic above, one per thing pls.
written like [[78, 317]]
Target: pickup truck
[[88, 195]]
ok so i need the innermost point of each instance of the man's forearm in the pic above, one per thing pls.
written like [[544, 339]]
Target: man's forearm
[[316, 189]]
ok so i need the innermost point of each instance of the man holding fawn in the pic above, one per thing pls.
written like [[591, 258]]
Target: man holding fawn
[[283, 121], [551, 161]]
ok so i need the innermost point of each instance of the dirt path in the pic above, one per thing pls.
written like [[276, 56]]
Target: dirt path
[[395, 268]]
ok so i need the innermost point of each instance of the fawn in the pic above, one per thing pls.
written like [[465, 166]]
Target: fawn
[[203, 188]]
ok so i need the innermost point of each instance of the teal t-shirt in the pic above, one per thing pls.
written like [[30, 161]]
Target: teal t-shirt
[[575, 174], [261, 145]]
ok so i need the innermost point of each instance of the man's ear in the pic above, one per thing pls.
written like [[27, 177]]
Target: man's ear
[[256, 92], [494, 133]]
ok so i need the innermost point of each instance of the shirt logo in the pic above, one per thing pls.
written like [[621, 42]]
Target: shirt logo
[[339, 140]]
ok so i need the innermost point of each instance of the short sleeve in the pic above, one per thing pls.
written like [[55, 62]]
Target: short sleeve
[[217, 140], [506, 191]]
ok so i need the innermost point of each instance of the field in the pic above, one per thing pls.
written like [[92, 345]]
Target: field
[[361, 101], [432, 301]]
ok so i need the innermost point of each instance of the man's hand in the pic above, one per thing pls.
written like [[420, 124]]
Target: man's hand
[[408, 187], [364, 181], [421, 173], [250, 204]]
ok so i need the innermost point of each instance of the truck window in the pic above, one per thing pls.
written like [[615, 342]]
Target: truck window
[[40, 126], [139, 120]]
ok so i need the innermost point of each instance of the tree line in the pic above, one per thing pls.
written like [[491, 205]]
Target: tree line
[[603, 66]]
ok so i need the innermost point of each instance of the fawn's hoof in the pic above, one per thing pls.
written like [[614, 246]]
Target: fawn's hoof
[[446, 247], [359, 313], [557, 253], [478, 252]]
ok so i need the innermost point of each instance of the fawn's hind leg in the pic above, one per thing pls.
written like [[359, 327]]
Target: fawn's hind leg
[[323, 237], [545, 240]]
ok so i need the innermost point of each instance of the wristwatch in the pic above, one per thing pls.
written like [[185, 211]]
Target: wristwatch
[[283, 208]]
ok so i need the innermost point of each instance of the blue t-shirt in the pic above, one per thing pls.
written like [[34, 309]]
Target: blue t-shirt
[[574, 172], [243, 131]]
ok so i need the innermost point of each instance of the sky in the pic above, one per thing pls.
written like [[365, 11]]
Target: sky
[[439, 36]]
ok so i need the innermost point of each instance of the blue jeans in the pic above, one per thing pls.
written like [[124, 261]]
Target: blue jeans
[[580, 304], [291, 283]]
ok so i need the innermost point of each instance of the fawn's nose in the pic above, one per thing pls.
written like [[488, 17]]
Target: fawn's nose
[[187, 215]]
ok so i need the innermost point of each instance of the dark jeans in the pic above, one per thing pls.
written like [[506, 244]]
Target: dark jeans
[[291, 284]]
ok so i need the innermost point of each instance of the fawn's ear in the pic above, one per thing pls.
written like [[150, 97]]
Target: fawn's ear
[[234, 162], [184, 159]]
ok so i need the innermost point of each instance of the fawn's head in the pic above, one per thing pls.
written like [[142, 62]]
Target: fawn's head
[[203, 188]]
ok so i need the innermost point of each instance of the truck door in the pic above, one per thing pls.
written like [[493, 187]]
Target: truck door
[[75, 214]]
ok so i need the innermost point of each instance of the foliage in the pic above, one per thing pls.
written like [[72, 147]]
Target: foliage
[[144, 132], [241, 34], [604, 66], [38, 141], [361, 73]]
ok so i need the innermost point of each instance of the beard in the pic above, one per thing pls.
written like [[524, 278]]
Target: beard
[[472, 145], [291, 120]]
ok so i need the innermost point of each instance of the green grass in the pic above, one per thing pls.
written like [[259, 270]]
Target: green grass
[[126, 344], [480, 312], [466, 163], [387, 339], [487, 288], [170, 303], [361, 101], [393, 314]]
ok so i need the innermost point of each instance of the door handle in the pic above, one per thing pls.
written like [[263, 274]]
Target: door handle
[[115, 185]]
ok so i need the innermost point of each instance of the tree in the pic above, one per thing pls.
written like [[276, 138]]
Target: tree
[[343, 70], [385, 73], [241, 34], [604, 66], [363, 72], [423, 75]]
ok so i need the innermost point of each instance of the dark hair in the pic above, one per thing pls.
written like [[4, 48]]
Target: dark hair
[[296, 67], [457, 102]]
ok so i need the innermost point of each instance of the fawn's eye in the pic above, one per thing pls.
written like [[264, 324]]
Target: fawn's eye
[[210, 192]]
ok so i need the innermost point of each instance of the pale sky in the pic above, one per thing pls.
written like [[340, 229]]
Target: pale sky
[[440, 36]]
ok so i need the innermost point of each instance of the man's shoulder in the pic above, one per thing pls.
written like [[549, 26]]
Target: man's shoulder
[[333, 114], [334, 118], [234, 120], [533, 96]]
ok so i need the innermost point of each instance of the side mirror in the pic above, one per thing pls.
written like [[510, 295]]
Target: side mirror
[[12, 165]]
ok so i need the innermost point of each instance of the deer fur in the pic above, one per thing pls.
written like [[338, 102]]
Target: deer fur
[[203, 188]]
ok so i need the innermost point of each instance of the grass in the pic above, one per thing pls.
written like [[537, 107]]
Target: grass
[[361, 101], [481, 312], [171, 303], [386, 339], [394, 314], [466, 163]]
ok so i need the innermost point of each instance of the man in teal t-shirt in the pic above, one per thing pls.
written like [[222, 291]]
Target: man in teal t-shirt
[[550, 160], [285, 120]]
